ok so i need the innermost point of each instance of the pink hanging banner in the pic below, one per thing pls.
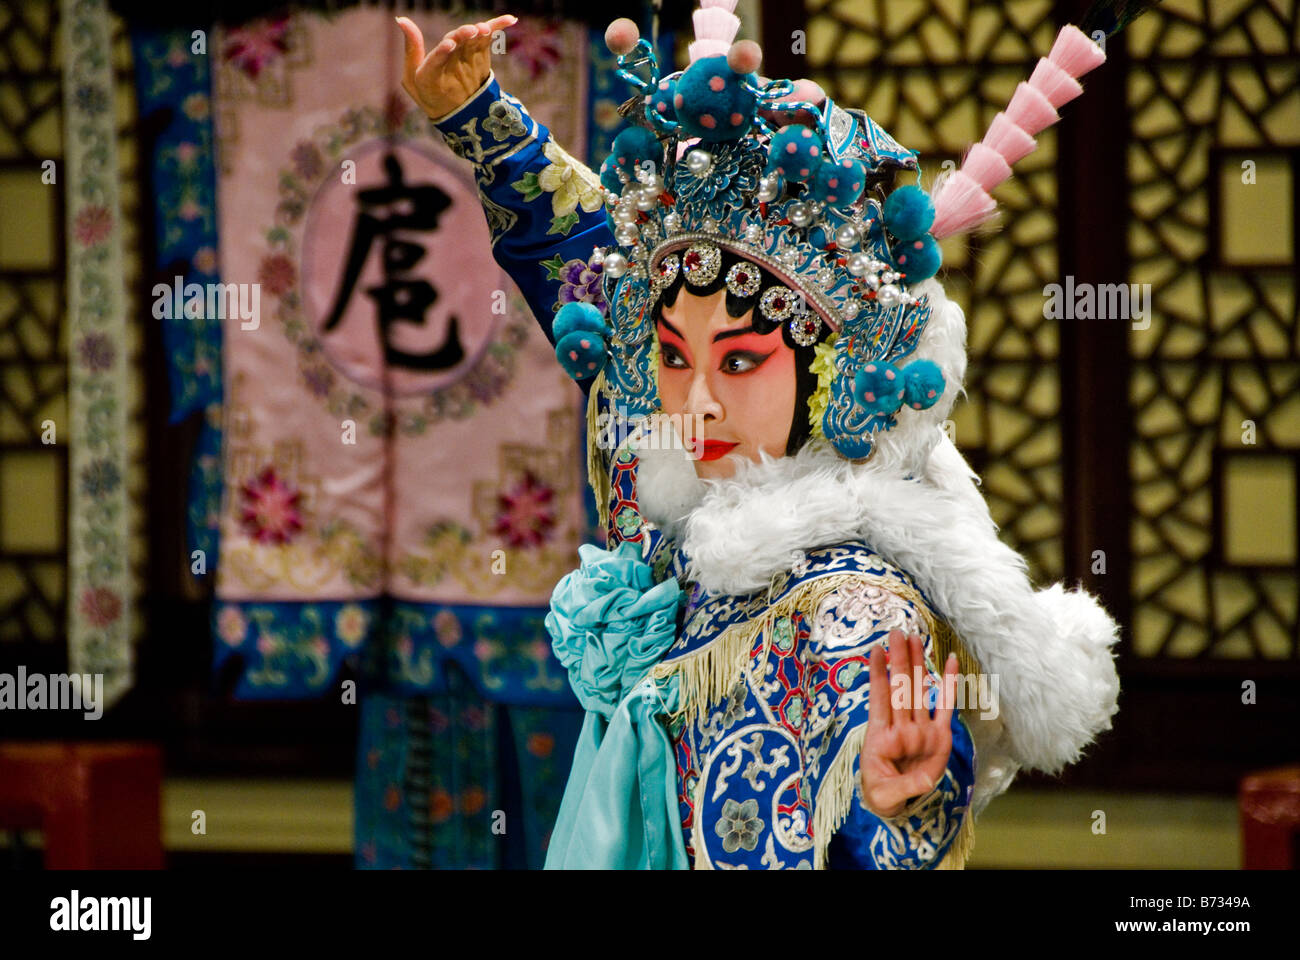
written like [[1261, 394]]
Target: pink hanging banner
[[395, 421]]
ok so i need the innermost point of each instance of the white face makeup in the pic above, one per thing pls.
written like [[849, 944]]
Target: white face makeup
[[734, 389]]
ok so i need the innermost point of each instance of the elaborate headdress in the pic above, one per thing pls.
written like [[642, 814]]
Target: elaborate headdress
[[727, 161]]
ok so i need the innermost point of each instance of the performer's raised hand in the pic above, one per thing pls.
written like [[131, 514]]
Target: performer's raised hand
[[906, 750], [451, 72]]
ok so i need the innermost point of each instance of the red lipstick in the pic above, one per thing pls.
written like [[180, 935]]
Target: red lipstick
[[713, 449]]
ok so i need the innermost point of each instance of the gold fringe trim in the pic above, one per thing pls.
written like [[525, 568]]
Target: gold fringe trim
[[599, 462], [833, 800], [946, 641], [837, 794], [705, 676], [831, 805], [962, 844]]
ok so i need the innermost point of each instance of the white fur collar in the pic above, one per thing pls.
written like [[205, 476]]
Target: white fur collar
[[1049, 648]]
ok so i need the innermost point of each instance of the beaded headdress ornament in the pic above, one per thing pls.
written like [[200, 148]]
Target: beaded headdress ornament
[[727, 161]]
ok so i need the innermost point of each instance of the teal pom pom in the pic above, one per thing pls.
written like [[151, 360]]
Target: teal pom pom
[[839, 184], [581, 353], [711, 102], [609, 178], [919, 259], [579, 316], [922, 384], [633, 147], [878, 387], [909, 213], [659, 103], [796, 152]]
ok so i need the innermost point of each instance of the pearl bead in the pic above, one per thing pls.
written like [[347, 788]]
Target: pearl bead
[[698, 161], [754, 234], [799, 213], [846, 237], [859, 264], [673, 222], [647, 201], [654, 183], [888, 295], [615, 265], [769, 187], [709, 225], [626, 235]]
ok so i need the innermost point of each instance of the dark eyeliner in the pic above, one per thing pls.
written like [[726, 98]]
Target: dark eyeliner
[[758, 360]]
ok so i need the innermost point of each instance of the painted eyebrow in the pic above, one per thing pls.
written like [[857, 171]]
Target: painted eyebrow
[[720, 335], [737, 332], [671, 329]]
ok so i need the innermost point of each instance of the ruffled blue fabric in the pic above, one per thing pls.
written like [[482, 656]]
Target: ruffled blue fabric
[[609, 624]]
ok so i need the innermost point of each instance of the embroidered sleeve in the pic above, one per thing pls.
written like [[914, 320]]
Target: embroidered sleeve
[[851, 621], [544, 208]]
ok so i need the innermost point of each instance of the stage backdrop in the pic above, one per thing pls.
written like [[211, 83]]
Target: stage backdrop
[[401, 452], [395, 423]]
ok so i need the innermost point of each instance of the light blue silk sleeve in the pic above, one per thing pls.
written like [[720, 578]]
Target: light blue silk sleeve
[[609, 624]]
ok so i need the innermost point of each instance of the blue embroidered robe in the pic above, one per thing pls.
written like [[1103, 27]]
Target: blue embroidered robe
[[768, 775]]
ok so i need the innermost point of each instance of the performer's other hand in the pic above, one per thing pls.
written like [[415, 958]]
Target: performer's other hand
[[454, 69], [906, 750]]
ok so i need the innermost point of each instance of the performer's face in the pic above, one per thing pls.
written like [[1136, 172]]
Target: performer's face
[[733, 389]]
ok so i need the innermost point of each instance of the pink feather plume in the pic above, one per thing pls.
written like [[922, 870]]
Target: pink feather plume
[[962, 201], [960, 204], [1030, 110], [1009, 140], [985, 166], [1054, 83], [715, 28], [1075, 53]]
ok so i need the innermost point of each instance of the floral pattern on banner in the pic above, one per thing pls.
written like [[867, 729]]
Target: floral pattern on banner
[[101, 589], [260, 58], [290, 650], [174, 85], [520, 525], [545, 740], [505, 651]]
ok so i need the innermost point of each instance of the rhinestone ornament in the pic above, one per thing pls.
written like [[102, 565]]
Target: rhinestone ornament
[[701, 263], [777, 303], [667, 271], [743, 279], [804, 330]]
